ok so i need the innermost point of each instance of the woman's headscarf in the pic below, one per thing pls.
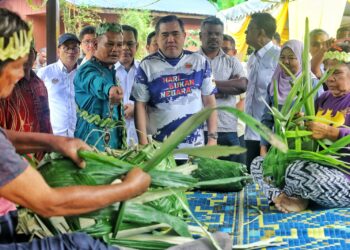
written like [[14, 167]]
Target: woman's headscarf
[[284, 80]]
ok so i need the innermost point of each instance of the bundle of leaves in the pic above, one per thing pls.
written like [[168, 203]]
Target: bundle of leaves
[[160, 210], [290, 126]]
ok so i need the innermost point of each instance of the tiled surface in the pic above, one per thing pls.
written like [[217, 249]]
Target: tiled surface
[[247, 216]]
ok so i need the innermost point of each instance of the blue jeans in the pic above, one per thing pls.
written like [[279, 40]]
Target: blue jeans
[[226, 139]]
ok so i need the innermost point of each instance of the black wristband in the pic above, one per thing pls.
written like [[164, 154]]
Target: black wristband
[[213, 136]]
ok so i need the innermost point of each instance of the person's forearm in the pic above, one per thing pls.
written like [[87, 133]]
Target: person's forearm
[[140, 122], [240, 105], [210, 102], [27, 142], [83, 199], [332, 133], [316, 63], [232, 86], [30, 190]]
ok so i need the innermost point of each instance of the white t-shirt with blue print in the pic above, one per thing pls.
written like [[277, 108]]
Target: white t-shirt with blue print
[[173, 89]]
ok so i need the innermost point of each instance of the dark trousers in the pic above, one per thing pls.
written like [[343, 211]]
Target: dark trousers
[[77, 241], [226, 139], [253, 150], [242, 158]]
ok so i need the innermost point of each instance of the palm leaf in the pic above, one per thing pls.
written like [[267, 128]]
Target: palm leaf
[[211, 151]]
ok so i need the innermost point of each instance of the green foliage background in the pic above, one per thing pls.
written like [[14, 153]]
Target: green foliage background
[[142, 21], [76, 17]]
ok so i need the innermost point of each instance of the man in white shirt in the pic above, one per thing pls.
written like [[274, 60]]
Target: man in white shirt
[[229, 79], [87, 37], [58, 78], [229, 45], [261, 66], [126, 69]]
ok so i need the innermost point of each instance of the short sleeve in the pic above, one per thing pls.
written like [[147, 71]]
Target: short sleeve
[[237, 69], [140, 90], [208, 85], [11, 164]]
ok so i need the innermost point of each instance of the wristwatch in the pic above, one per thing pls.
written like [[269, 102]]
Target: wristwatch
[[213, 135]]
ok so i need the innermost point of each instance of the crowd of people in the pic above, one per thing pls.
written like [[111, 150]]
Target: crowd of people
[[107, 98]]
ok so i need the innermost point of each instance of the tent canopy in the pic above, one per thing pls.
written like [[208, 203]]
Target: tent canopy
[[193, 7], [290, 18]]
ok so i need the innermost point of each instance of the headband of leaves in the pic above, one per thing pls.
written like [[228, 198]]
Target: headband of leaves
[[18, 45], [108, 27], [340, 56]]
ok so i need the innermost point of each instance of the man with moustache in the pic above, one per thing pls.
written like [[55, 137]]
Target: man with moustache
[[173, 84], [228, 76], [126, 69], [98, 94], [58, 78]]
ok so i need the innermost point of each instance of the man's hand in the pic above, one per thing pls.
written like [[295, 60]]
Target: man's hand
[[212, 142], [69, 147], [115, 95], [137, 181], [129, 110], [322, 131]]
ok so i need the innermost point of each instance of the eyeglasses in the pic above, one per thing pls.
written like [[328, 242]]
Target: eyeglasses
[[88, 42], [73, 49]]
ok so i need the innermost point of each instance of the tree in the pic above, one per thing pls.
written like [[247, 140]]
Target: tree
[[76, 17], [142, 21]]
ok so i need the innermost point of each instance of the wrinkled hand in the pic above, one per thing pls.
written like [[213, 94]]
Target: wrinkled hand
[[129, 110], [70, 146], [326, 45], [322, 131], [137, 181], [115, 95]]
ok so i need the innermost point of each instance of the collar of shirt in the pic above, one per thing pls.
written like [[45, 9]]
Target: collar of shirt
[[172, 61], [110, 67], [261, 52], [64, 68], [220, 54], [135, 65]]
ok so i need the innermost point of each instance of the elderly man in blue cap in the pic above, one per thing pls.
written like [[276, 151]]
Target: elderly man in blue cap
[[58, 78]]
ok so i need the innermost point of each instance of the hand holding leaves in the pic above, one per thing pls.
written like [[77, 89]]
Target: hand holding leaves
[[322, 131]]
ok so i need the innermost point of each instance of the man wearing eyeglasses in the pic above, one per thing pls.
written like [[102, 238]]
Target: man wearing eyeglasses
[[126, 69], [98, 94], [58, 78], [87, 37]]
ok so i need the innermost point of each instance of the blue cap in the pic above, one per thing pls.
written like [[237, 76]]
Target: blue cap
[[67, 37]]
